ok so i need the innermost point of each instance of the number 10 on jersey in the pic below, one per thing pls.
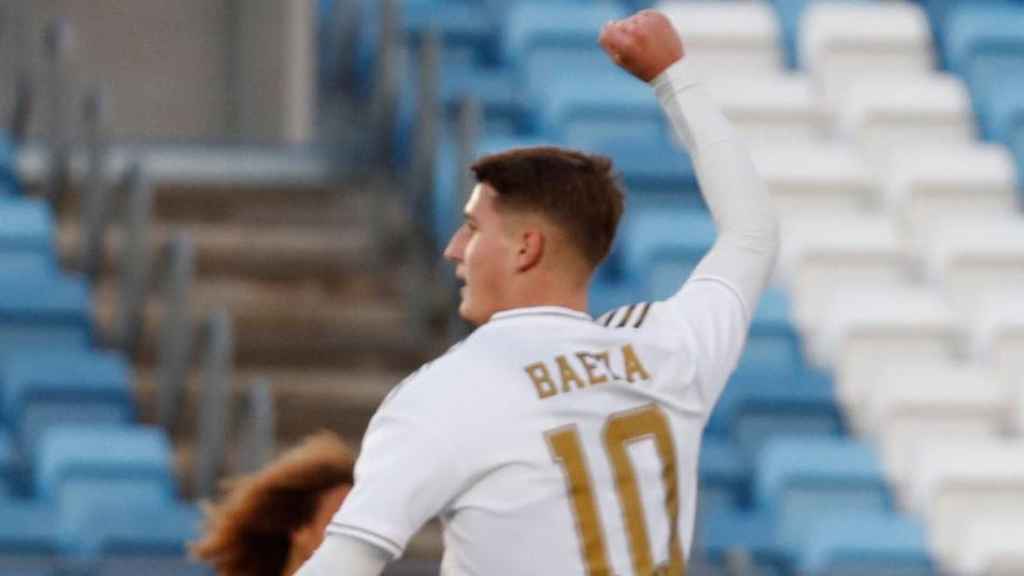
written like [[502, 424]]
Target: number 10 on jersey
[[620, 430]]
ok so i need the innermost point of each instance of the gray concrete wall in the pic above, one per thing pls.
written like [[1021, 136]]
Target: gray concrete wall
[[210, 70]]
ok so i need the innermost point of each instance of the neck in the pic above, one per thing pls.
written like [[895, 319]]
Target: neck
[[551, 294]]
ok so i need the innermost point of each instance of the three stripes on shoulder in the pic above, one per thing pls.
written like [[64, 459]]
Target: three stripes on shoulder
[[631, 316]]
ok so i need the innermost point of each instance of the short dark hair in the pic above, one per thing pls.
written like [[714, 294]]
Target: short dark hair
[[579, 192]]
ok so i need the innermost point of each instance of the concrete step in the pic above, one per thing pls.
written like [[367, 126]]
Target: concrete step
[[290, 325], [267, 253]]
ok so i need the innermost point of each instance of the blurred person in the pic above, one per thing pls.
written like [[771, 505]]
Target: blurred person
[[272, 521], [549, 443]]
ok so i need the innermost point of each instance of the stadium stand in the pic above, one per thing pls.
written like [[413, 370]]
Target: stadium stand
[[831, 451]]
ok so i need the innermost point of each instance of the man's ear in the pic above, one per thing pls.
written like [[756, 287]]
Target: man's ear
[[531, 249]]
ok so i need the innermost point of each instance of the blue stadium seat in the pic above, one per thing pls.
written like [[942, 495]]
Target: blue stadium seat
[[151, 530], [653, 171], [55, 387], [29, 531], [661, 246], [790, 12], [799, 476], [44, 313], [8, 178], [26, 237], [75, 463], [724, 476], [978, 29], [724, 531], [502, 103], [583, 115], [852, 543], [608, 292], [466, 28], [543, 40], [773, 337], [8, 466]]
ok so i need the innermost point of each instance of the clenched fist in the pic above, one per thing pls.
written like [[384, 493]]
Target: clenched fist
[[645, 44]]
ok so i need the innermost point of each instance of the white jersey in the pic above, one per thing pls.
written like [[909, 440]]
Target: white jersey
[[550, 443]]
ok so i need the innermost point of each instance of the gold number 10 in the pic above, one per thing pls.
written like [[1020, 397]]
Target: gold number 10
[[620, 430]]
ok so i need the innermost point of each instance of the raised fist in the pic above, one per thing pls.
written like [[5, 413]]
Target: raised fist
[[645, 44]]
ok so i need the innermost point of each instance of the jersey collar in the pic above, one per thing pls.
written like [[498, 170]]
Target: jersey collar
[[542, 311]]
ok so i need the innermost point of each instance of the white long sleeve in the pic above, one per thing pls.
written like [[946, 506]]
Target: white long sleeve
[[748, 236], [341, 555]]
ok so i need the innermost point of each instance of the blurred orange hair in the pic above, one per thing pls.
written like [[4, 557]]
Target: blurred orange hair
[[249, 532]]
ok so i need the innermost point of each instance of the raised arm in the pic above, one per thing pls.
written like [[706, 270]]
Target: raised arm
[[743, 257]]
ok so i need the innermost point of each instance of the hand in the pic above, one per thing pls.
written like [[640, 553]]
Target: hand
[[645, 44]]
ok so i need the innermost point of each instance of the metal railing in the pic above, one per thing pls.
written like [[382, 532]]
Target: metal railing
[[257, 437], [176, 330], [214, 403]]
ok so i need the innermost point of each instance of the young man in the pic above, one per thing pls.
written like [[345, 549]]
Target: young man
[[549, 443]]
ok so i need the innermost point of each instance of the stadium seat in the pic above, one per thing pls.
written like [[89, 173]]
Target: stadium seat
[[853, 543], [26, 237], [869, 326], [660, 248], [990, 546], [970, 259], [770, 110], [729, 37], [759, 409], [466, 28], [980, 29], [840, 42], [502, 103], [8, 466], [773, 338], [8, 177], [44, 313], [74, 386], [653, 171], [31, 539], [997, 339], [957, 481], [911, 404], [150, 531], [883, 115], [724, 476], [819, 256], [623, 109], [75, 463], [542, 41], [814, 179], [726, 531], [959, 182], [608, 292], [798, 477]]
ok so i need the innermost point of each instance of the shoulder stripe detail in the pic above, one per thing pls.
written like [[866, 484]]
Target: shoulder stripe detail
[[607, 318], [625, 317], [643, 315]]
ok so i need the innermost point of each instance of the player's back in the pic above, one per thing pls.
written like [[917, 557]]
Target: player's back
[[578, 443]]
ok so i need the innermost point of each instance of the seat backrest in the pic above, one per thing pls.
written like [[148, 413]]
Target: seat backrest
[[44, 313], [854, 542], [26, 236], [93, 455]]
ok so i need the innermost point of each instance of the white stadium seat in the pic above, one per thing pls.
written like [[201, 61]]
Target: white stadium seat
[[729, 37], [823, 180], [882, 115], [909, 404], [867, 327], [991, 546], [974, 260], [997, 341], [840, 42], [962, 182], [776, 110], [959, 481], [822, 255]]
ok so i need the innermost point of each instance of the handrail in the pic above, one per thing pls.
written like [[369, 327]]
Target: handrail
[[176, 330], [135, 261], [58, 41], [214, 403], [257, 439], [96, 189]]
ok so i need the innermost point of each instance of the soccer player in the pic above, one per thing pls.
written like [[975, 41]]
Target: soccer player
[[272, 521], [547, 442]]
